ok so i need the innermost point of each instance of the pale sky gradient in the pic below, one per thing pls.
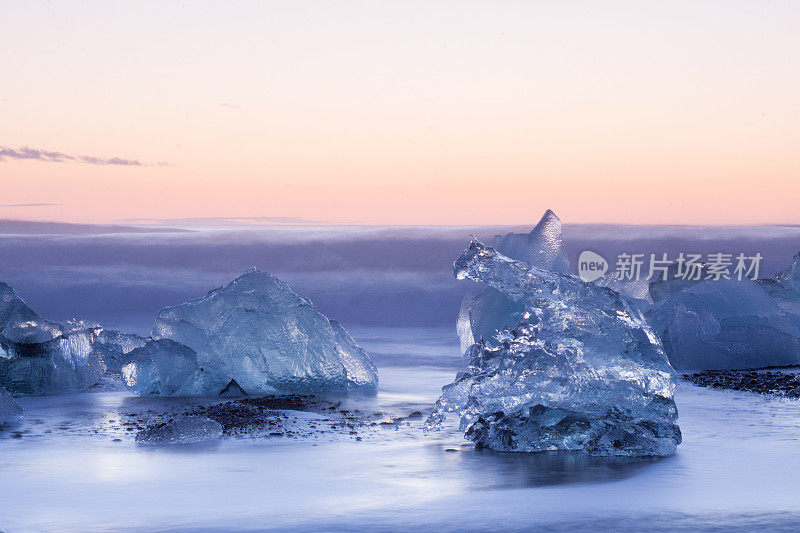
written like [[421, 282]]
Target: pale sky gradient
[[403, 112]]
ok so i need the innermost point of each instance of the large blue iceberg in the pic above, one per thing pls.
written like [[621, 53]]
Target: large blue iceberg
[[581, 370], [252, 336]]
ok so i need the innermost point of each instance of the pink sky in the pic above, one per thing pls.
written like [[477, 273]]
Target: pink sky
[[404, 112]]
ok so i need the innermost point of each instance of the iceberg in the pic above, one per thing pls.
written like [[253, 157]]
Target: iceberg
[[182, 429], [114, 347], [785, 284], [724, 324], [252, 336], [483, 314], [581, 371], [166, 368], [42, 357], [10, 411]]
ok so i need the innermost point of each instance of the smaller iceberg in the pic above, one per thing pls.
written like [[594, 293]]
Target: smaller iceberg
[[485, 313], [252, 336], [581, 370], [10, 410], [166, 368], [184, 429], [724, 324], [42, 357]]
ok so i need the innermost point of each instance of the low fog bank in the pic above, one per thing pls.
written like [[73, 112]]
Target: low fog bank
[[359, 275]]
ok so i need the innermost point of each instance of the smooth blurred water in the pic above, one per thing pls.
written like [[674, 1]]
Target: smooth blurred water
[[737, 468]]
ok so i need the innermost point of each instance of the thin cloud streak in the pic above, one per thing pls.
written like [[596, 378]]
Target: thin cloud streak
[[30, 205], [222, 221], [47, 156]]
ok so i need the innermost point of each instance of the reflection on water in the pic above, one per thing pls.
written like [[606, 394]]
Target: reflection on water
[[488, 470], [181, 448]]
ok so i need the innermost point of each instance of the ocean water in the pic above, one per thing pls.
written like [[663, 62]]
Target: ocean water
[[736, 469]]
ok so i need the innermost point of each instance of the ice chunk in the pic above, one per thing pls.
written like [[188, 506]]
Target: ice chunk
[[254, 331], [182, 429], [581, 371], [542, 247], [10, 411], [114, 346], [727, 323], [665, 286], [483, 314], [636, 291], [723, 324], [42, 357], [785, 284], [166, 368]]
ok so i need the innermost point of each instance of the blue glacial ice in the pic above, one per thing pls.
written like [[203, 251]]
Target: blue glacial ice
[[785, 284], [726, 323], [542, 247], [252, 336], [485, 313], [42, 357], [10, 410], [114, 347], [582, 370]]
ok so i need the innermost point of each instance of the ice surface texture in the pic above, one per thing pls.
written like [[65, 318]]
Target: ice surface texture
[[785, 284], [542, 247], [254, 336], [483, 314], [42, 357], [10, 411], [726, 323], [115, 346], [181, 430], [581, 371]]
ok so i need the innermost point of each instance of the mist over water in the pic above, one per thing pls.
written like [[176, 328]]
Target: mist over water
[[380, 276]]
